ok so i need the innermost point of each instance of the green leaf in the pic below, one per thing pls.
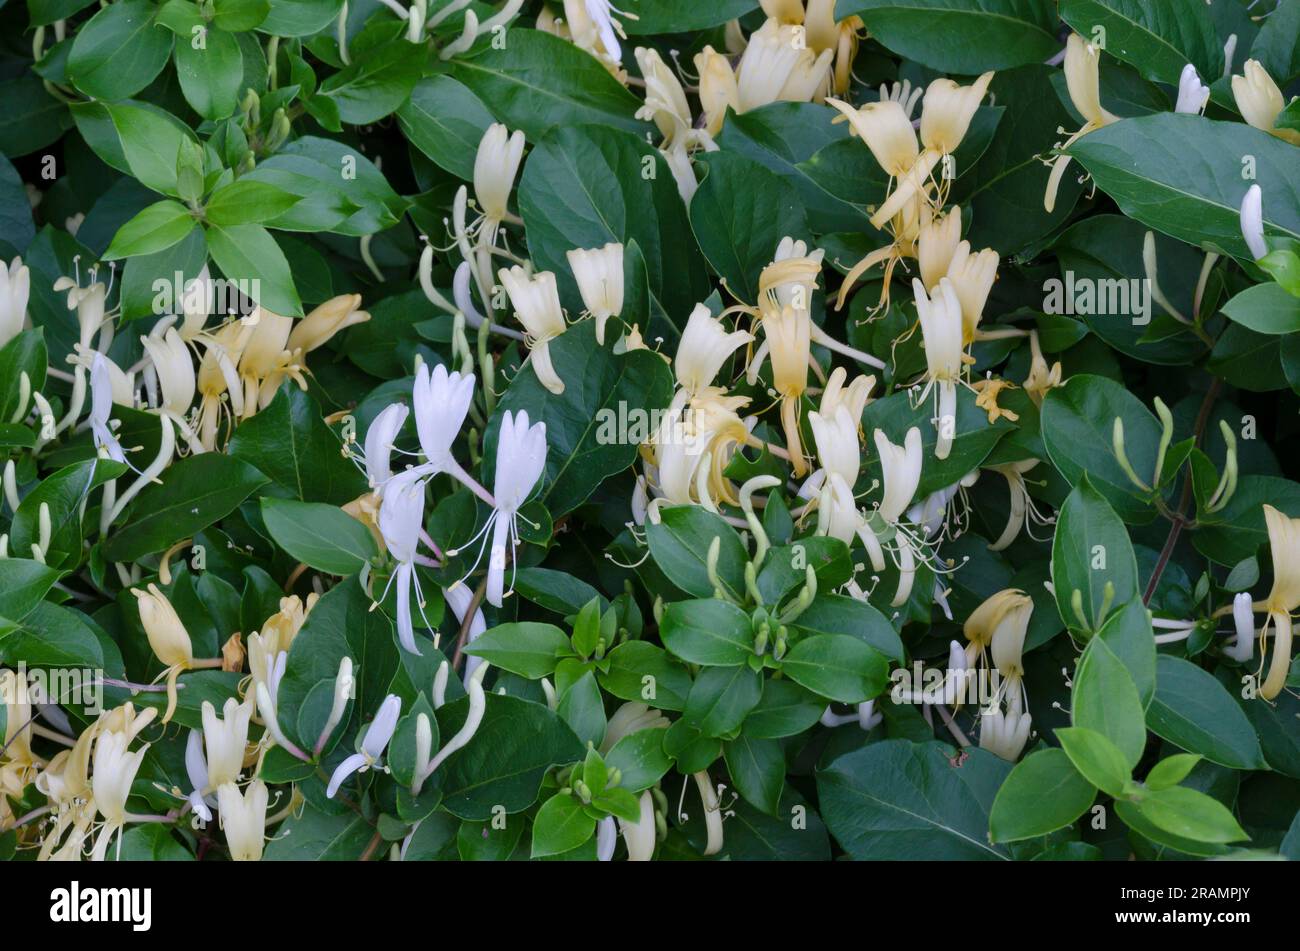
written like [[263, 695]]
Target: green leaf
[[1181, 174], [1191, 815], [840, 614], [66, 493], [678, 16], [239, 15], [151, 143], [537, 81], [33, 118], [322, 536], [1158, 37], [1091, 549], [210, 75], [517, 742], [960, 36], [640, 671], [249, 253], [377, 81], [640, 758], [582, 708], [157, 228], [560, 825], [118, 51], [529, 649], [300, 17], [1077, 423], [1099, 760], [757, 767], [902, 800], [315, 836], [194, 493], [247, 202], [1265, 309], [445, 121], [739, 214], [1043, 793], [785, 709], [1192, 710], [721, 698], [838, 667], [25, 353], [680, 542], [710, 632], [1105, 700], [1171, 770], [23, 583]]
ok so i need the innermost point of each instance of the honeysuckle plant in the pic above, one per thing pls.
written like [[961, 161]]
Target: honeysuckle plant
[[750, 430]]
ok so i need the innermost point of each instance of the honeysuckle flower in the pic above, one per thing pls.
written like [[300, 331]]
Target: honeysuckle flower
[[1260, 101], [267, 690], [102, 388], [639, 836], [243, 818], [972, 277], [1192, 93], [591, 26], [496, 163], [887, 132], [114, 772], [692, 447], [521, 459], [221, 392], [459, 598], [372, 743], [1243, 619], [1283, 598], [265, 360], [787, 335], [1005, 734], [285, 623], [987, 392], [718, 89], [853, 398], [383, 430], [900, 468], [401, 517], [679, 163], [89, 303], [225, 740], [1083, 80], [712, 812], [323, 322], [1041, 378], [196, 768], [1252, 222], [705, 346], [197, 297], [169, 640], [537, 306], [840, 37], [426, 766], [937, 243], [18, 712], [665, 100], [777, 65], [1021, 506], [836, 437], [837, 510], [175, 369], [943, 330], [599, 275], [15, 288], [442, 401], [947, 110]]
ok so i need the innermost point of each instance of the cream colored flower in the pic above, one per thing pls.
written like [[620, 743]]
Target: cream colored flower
[[1083, 80], [599, 275], [537, 306], [167, 635], [243, 817], [947, 110], [705, 346], [15, 287], [319, 326], [972, 277], [936, 243], [718, 89], [1260, 101], [175, 369], [1284, 598], [495, 165]]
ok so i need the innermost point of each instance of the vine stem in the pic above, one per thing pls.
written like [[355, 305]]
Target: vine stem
[[1179, 517]]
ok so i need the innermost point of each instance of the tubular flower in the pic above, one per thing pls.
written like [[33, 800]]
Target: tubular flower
[[265, 360], [1083, 80], [1260, 101], [175, 369], [167, 637], [665, 100], [972, 278], [442, 402], [944, 332], [1021, 507], [718, 89], [496, 164], [692, 447], [221, 392], [371, 744], [401, 517], [243, 818], [778, 65], [900, 468], [316, 329], [937, 244], [599, 274], [15, 288], [1192, 93], [537, 306], [520, 462], [705, 346], [1283, 599], [114, 772], [107, 382], [1252, 222]]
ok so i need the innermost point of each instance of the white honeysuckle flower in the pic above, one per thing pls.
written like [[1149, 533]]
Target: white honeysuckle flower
[[459, 597], [101, 405], [536, 301], [631, 717], [900, 472], [424, 766], [886, 129], [1260, 100], [937, 243], [1192, 93], [1243, 619], [639, 836], [15, 288], [495, 165], [1283, 597], [665, 100], [947, 110], [521, 459], [196, 768], [718, 89], [268, 700], [1008, 639], [903, 93], [972, 277], [606, 839], [837, 443], [401, 517], [837, 510], [607, 27], [197, 298], [599, 275], [89, 303], [345, 689], [380, 436], [943, 331], [441, 401], [777, 65], [679, 163], [1005, 734], [373, 742], [705, 346], [225, 738], [175, 369], [115, 767], [243, 818], [1083, 81], [1252, 222]]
